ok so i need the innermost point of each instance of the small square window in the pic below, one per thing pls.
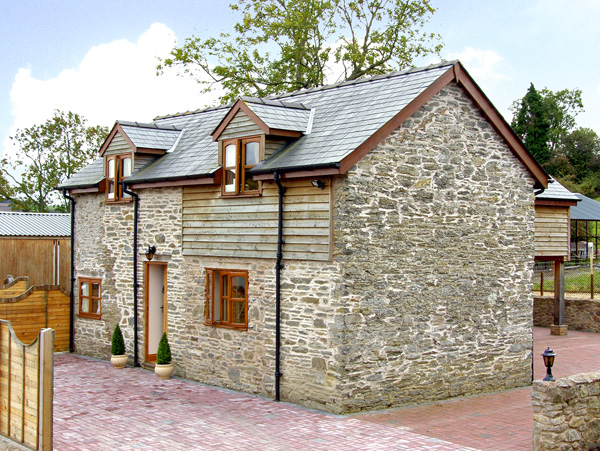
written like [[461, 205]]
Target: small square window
[[90, 298], [227, 298]]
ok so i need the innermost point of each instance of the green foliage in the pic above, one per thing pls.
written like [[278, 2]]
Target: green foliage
[[532, 124], [163, 354], [280, 46], [47, 155], [117, 346]]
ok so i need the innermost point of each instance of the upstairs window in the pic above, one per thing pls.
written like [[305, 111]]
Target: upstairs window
[[90, 298], [118, 167], [227, 298], [239, 156]]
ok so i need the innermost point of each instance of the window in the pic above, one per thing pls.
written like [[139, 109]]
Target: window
[[227, 298], [239, 156], [90, 298], [118, 167]]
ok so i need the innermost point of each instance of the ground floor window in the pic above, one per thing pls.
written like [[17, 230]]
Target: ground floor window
[[227, 298], [90, 298]]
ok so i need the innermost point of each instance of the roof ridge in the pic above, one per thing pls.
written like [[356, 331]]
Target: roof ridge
[[148, 125], [442, 63]]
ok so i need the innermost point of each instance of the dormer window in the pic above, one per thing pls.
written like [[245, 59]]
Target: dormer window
[[239, 156], [118, 167]]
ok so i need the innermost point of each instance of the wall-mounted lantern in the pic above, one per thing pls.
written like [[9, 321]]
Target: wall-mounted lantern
[[318, 183], [150, 252], [548, 356]]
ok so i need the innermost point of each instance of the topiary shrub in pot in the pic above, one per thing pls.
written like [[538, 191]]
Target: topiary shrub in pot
[[164, 368], [117, 349]]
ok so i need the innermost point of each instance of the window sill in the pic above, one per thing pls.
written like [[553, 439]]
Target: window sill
[[120, 201], [89, 315], [227, 196], [226, 326]]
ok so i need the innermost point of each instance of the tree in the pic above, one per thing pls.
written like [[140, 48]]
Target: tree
[[560, 110], [284, 45], [532, 124], [582, 148], [46, 156]]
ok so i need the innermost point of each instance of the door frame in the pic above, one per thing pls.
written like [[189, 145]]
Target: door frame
[[152, 357]]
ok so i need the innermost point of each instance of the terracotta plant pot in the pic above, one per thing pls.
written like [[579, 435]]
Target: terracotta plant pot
[[164, 371], [119, 361]]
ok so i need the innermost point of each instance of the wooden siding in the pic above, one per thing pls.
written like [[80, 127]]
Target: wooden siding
[[32, 257], [246, 227], [552, 231], [35, 309], [139, 161], [26, 381], [240, 126], [118, 146], [272, 145]]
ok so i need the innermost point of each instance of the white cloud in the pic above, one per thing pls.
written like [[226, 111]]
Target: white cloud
[[485, 66], [113, 81]]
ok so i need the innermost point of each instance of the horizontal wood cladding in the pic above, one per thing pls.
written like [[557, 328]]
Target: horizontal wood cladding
[[246, 227], [240, 127], [118, 145], [552, 231]]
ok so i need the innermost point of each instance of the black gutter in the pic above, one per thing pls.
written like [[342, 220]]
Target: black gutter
[[278, 268], [136, 203], [304, 167], [72, 307]]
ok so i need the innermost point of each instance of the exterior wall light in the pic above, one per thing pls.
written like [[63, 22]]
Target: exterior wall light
[[318, 184], [150, 252], [548, 356]]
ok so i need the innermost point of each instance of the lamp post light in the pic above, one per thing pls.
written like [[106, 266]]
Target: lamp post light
[[150, 252], [548, 356]]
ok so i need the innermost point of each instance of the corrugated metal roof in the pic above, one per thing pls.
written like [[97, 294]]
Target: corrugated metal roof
[[345, 115], [556, 191], [35, 224], [587, 209]]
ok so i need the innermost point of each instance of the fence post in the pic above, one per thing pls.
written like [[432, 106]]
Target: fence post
[[542, 283], [46, 384]]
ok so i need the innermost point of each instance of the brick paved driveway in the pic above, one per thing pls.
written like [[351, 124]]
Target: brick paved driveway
[[99, 408]]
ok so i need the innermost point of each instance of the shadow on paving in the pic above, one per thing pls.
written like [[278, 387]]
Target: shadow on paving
[[100, 408]]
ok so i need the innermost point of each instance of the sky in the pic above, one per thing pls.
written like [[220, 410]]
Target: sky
[[98, 59]]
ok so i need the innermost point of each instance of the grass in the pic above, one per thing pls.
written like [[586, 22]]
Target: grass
[[575, 281]]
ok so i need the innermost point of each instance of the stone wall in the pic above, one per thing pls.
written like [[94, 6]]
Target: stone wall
[[104, 243], [580, 314], [566, 413], [428, 295], [434, 232]]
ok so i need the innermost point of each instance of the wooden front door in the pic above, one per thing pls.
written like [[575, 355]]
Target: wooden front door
[[155, 310]]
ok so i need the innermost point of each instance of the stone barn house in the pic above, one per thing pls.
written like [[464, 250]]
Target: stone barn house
[[351, 247]]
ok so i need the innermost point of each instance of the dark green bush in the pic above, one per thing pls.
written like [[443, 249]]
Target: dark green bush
[[163, 355], [118, 344]]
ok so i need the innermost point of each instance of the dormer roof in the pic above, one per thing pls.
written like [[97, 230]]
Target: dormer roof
[[273, 117], [144, 137]]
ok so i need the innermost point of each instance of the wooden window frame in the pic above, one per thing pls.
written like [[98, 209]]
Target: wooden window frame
[[118, 177], [240, 167], [90, 281], [225, 300]]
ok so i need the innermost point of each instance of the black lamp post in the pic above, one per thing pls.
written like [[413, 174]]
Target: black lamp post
[[150, 252], [548, 356]]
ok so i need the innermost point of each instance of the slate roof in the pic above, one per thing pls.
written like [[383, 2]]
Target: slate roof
[[344, 116], [586, 210], [556, 191], [150, 136], [279, 115], [35, 224], [89, 176]]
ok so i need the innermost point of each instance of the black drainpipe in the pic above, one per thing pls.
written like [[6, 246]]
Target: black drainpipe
[[72, 307], [136, 203], [278, 268]]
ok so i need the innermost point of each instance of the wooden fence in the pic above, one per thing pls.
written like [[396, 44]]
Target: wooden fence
[[47, 261], [26, 384], [37, 308]]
